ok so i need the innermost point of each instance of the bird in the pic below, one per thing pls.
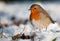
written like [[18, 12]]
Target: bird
[[39, 18]]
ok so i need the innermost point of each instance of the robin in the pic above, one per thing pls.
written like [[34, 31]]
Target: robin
[[39, 18]]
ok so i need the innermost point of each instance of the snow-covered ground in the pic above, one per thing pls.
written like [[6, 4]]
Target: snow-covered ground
[[20, 10]]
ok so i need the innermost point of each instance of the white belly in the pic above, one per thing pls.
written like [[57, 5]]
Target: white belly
[[38, 24]]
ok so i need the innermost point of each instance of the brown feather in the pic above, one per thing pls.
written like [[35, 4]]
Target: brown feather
[[47, 15]]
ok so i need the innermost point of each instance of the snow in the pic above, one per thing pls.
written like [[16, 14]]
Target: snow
[[5, 39], [24, 40], [50, 33], [54, 26]]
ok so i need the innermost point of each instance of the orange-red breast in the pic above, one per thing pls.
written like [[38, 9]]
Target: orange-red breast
[[39, 17]]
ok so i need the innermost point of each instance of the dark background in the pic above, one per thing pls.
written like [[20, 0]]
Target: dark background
[[28, 0]]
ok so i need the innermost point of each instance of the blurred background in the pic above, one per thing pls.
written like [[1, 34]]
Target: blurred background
[[19, 8]]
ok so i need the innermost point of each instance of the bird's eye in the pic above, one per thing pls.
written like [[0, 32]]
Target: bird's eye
[[34, 8]]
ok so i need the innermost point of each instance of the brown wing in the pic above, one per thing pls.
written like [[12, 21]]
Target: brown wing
[[47, 15]]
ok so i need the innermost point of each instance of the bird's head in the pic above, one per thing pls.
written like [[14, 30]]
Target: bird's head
[[35, 9]]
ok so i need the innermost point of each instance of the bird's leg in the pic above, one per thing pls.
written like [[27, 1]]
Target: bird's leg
[[40, 30], [46, 28]]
